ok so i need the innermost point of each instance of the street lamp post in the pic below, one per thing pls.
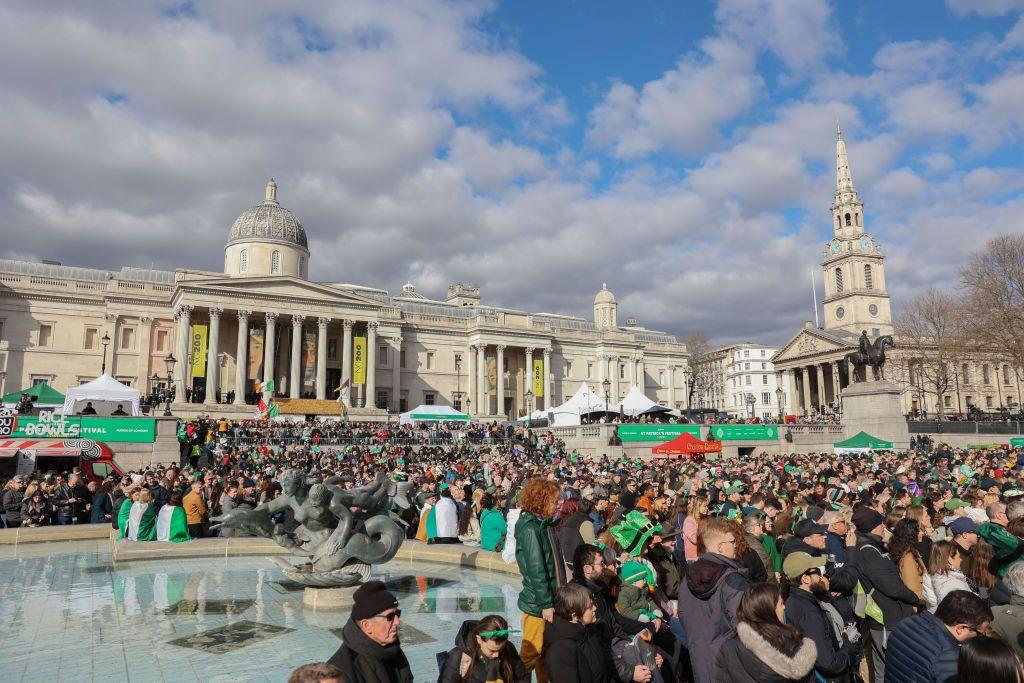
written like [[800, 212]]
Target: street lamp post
[[106, 342], [529, 405], [458, 383], [169, 361], [780, 395], [751, 401], [606, 384], [154, 392]]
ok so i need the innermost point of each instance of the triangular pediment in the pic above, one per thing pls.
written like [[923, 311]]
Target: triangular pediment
[[810, 342], [280, 288]]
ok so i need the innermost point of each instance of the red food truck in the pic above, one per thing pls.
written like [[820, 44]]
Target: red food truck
[[24, 456]]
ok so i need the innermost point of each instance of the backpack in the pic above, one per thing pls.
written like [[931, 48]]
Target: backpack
[[864, 605]]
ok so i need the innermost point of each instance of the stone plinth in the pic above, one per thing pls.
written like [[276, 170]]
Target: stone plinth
[[874, 407], [329, 599]]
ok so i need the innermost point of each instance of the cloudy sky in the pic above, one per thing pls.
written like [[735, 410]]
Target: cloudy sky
[[681, 151]]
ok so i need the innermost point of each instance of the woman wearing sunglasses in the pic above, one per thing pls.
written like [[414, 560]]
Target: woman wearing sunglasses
[[482, 654]]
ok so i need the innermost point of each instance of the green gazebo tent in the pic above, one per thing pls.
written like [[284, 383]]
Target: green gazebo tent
[[42, 395], [862, 443]]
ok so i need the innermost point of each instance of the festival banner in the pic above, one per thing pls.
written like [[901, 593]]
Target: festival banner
[[745, 432], [256, 353], [538, 377], [491, 368], [308, 361], [655, 432], [1017, 443], [198, 351], [49, 425], [359, 360]]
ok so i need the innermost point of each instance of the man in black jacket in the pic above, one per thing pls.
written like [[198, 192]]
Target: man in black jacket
[[371, 652], [161, 494], [834, 661], [10, 502], [880, 578], [70, 500]]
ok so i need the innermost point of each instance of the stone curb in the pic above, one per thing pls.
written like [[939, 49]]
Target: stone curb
[[52, 534]]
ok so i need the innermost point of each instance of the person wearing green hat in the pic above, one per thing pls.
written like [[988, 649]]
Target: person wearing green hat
[[634, 596], [834, 654]]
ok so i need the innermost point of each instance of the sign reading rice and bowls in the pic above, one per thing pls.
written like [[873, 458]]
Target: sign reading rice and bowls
[[49, 425]]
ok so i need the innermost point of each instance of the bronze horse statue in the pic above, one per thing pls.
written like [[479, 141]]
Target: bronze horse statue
[[870, 355]]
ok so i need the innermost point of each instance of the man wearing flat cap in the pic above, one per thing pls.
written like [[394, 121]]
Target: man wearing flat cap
[[370, 651]]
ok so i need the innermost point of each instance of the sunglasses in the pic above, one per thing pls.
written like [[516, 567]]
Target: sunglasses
[[390, 616]]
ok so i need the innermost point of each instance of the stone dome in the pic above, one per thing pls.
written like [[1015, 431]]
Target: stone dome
[[604, 296], [269, 221]]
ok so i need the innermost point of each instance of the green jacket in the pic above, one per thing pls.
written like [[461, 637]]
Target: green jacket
[[492, 529], [634, 603], [1009, 549], [534, 557], [768, 541]]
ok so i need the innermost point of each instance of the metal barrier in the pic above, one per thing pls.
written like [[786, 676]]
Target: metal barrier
[[291, 440], [963, 427]]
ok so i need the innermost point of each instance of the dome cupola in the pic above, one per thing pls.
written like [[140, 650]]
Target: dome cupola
[[267, 239]]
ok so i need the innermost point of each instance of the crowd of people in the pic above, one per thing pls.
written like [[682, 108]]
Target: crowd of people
[[890, 566]]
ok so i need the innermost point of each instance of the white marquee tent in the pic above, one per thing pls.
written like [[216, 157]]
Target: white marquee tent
[[582, 402], [636, 403], [425, 413], [105, 393]]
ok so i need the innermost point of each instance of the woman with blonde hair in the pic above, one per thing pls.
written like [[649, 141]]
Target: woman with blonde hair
[[944, 573], [541, 566], [696, 513], [142, 518]]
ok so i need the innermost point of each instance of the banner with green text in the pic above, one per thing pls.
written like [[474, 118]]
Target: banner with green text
[[745, 432], [112, 429]]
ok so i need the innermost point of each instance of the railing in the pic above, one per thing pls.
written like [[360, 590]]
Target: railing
[[964, 427], [813, 429], [332, 441]]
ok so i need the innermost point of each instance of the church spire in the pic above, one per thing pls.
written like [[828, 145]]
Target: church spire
[[846, 193]]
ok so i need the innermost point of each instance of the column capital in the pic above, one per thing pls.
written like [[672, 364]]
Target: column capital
[[372, 326], [111, 317], [243, 316], [529, 350], [145, 319], [271, 317], [323, 321], [347, 324], [215, 311], [298, 320], [547, 352], [182, 309], [500, 347], [397, 342]]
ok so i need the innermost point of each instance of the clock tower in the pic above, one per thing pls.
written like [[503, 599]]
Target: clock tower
[[856, 297]]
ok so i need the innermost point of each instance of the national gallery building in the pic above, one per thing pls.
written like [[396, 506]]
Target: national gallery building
[[262, 318]]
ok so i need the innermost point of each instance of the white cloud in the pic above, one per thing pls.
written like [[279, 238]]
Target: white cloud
[[491, 166], [985, 8]]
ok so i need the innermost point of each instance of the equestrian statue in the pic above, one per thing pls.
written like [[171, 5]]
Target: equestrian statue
[[870, 355], [341, 531]]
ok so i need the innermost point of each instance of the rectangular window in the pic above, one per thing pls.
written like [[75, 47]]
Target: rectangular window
[[91, 339], [764, 366], [2, 329], [382, 398], [37, 380], [766, 398], [764, 352], [161, 340], [332, 349], [661, 377], [748, 380], [985, 374], [988, 401], [746, 366], [874, 331], [382, 355], [127, 381], [568, 368], [430, 362], [764, 379], [127, 338], [622, 371], [746, 353], [401, 358], [429, 398], [1006, 368], [45, 335], [947, 401]]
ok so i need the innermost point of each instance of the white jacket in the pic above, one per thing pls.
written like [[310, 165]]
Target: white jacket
[[937, 586], [508, 553]]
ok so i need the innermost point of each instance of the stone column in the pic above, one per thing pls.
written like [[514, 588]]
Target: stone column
[[821, 383], [548, 403], [321, 357], [500, 350], [242, 358], [641, 375], [614, 362], [269, 350], [671, 386], [481, 381], [471, 388], [396, 372], [183, 318], [145, 353], [371, 366], [346, 359], [835, 381], [806, 375], [295, 376], [212, 365], [791, 386]]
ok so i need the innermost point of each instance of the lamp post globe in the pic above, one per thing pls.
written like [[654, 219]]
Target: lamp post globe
[[106, 342]]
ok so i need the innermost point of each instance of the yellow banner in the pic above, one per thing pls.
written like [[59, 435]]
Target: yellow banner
[[359, 360], [198, 351], [538, 377]]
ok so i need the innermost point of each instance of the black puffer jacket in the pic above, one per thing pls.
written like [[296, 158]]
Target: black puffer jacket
[[572, 653], [880, 573], [362, 660], [746, 657], [482, 670], [835, 658]]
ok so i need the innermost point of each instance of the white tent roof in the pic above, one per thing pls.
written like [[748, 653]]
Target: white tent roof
[[634, 403], [582, 402], [105, 392], [425, 412]]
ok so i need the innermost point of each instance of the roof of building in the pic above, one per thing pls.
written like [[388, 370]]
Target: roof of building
[[55, 270], [604, 296], [268, 220]]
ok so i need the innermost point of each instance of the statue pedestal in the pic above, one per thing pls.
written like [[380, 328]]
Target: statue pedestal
[[329, 599], [874, 407]]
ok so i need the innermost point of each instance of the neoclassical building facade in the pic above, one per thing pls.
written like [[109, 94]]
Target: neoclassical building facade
[[262, 318]]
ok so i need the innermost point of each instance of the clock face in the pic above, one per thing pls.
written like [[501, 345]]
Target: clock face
[[836, 246], [865, 243]]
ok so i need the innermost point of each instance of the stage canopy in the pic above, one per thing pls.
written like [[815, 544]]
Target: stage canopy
[[582, 402], [105, 393], [425, 413], [42, 395]]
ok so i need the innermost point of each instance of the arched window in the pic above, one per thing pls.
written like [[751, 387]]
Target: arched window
[[986, 376], [275, 262], [848, 220], [839, 280], [302, 266], [868, 281], [243, 261], [1006, 374]]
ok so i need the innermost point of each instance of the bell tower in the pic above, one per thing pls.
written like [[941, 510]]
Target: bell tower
[[856, 297]]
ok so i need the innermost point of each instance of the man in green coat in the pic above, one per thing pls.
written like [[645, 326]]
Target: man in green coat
[[1008, 548]]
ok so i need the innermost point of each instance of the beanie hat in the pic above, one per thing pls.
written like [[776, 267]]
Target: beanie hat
[[865, 519], [371, 599], [634, 571]]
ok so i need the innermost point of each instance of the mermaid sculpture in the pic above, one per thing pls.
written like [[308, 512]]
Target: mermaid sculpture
[[342, 531]]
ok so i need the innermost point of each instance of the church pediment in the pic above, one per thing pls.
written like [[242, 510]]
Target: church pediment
[[279, 288], [810, 342]]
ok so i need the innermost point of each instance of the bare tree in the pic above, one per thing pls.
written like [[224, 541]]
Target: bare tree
[[993, 281], [930, 333], [702, 370]]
